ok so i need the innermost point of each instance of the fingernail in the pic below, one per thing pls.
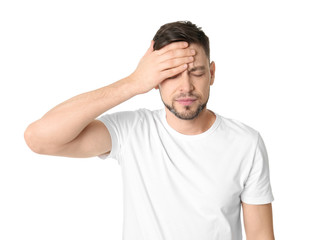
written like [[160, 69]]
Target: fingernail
[[193, 51]]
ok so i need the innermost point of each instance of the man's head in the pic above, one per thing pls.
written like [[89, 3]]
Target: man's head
[[195, 81], [181, 31]]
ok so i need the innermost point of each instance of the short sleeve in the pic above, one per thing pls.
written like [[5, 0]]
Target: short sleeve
[[119, 125], [257, 189]]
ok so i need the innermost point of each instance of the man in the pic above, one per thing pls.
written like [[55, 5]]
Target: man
[[186, 169]]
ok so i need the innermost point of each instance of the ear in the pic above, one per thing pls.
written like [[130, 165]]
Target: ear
[[212, 72]]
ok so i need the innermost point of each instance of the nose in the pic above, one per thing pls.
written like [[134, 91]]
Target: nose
[[186, 82]]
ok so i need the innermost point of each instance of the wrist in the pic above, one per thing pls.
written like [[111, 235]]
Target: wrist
[[131, 85]]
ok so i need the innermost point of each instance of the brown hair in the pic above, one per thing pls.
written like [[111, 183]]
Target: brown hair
[[181, 31]]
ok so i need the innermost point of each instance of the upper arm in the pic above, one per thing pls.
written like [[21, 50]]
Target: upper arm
[[258, 221], [94, 140]]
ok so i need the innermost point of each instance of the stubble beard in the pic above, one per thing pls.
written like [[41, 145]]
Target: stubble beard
[[187, 113]]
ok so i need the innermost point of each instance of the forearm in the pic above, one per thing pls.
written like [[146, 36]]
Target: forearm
[[64, 122]]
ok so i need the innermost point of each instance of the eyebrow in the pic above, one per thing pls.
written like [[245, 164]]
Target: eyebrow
[[197, 68]]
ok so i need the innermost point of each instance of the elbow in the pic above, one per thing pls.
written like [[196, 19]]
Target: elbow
[[39, 140], [33, 141]]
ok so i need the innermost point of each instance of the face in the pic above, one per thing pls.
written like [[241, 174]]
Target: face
[[193, 83]]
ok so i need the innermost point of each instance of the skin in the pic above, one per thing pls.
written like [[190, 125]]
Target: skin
[[258, 221], [195, 119], [193, 82], [71, 130]]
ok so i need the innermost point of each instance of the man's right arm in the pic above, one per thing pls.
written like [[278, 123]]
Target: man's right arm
[[70, 128]]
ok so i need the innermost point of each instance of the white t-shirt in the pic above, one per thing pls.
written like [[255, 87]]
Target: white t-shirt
[[186, 187]]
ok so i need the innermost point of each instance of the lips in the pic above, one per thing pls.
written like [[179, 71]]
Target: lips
[[186, 99]]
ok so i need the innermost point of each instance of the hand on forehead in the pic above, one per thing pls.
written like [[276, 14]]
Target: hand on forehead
[[200, 58]]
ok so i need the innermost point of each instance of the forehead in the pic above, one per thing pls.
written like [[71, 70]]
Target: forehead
[[200, 56]]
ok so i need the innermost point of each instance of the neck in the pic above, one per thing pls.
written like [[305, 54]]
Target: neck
[[195, 126]]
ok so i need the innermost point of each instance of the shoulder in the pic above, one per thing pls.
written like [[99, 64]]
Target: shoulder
[[130, 117], [236, 128], [124, 114]]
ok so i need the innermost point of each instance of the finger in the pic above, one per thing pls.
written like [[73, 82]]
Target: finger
[[177, 53], [151, 46], [173, 71], [175, 62], [172, 46]]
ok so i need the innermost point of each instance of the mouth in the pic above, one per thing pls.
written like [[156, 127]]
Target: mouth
[[186, 101]]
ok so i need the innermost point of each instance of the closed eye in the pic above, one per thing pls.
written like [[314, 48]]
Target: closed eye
[[198, 75], [195, 75]]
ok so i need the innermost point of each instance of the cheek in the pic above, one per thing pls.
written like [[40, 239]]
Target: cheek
[[165, 90], [204, 86], [168, 86]]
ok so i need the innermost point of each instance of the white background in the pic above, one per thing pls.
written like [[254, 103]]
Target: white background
[[53, 50]]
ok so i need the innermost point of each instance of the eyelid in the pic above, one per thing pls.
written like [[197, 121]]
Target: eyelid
[[177, 75], [198, 75]]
